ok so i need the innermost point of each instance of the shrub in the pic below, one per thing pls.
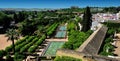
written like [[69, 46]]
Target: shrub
[[66, 58], [23, 49], [9, 58], [107, 48], [75, 39], [2, 53], [108, 40], [35, 39], [8, 49], [17, 48], [51, 29], [21, 40], [18, 57], [40, 40], [30, 39], [32, 48]]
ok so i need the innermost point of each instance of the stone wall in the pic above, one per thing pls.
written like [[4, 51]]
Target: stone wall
[[73, 53], [93, 43]]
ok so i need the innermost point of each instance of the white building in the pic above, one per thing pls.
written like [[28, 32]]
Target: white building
[[118, 15], [100, 17]]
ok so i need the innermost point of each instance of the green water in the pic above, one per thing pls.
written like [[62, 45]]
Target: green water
[[51, 51], [60, 34], [62, 28]]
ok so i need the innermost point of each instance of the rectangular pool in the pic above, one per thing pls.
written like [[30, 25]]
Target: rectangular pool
[[62, 28], [53, 47], [60, 34]]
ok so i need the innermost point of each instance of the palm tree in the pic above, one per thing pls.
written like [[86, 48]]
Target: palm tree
[[12, 34]]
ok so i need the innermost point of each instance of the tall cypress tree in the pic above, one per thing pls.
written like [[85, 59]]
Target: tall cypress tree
[[87, 20]]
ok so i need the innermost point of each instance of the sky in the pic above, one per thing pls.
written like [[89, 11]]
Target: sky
[[57, 3]]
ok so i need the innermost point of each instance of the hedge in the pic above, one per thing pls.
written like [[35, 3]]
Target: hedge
[[39, 42], [25, 48], [2, 53], [21, 40], [9, 48], [32, 48], [66, 58], [52, 29]]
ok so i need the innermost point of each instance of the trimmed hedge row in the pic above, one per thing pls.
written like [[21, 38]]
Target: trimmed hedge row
[[18, 47], [32, 48], [23, 49], [39, 42], [20, 43], [66, 58], [27, 44], [52, 29], [21, 40]]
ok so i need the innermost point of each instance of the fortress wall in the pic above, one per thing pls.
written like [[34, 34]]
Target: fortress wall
[[83, 56], [93, 43], [74, 54]]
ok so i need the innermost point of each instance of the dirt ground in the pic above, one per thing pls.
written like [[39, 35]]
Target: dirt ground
[[3, 42], [117, 50]]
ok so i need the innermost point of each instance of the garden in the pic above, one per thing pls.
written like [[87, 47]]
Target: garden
[[107, 48], [35, 27], [75, 37]]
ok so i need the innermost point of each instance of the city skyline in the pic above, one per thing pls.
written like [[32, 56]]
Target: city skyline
[[57, 3]]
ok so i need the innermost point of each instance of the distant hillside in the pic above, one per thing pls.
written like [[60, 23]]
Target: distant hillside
[[25, 9]]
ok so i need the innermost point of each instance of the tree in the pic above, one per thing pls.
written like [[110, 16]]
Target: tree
[[40, 31], [19, 17], [87, 20], [18, 57], [27, 27], [12, 34], [5, 20], [15, 17]]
